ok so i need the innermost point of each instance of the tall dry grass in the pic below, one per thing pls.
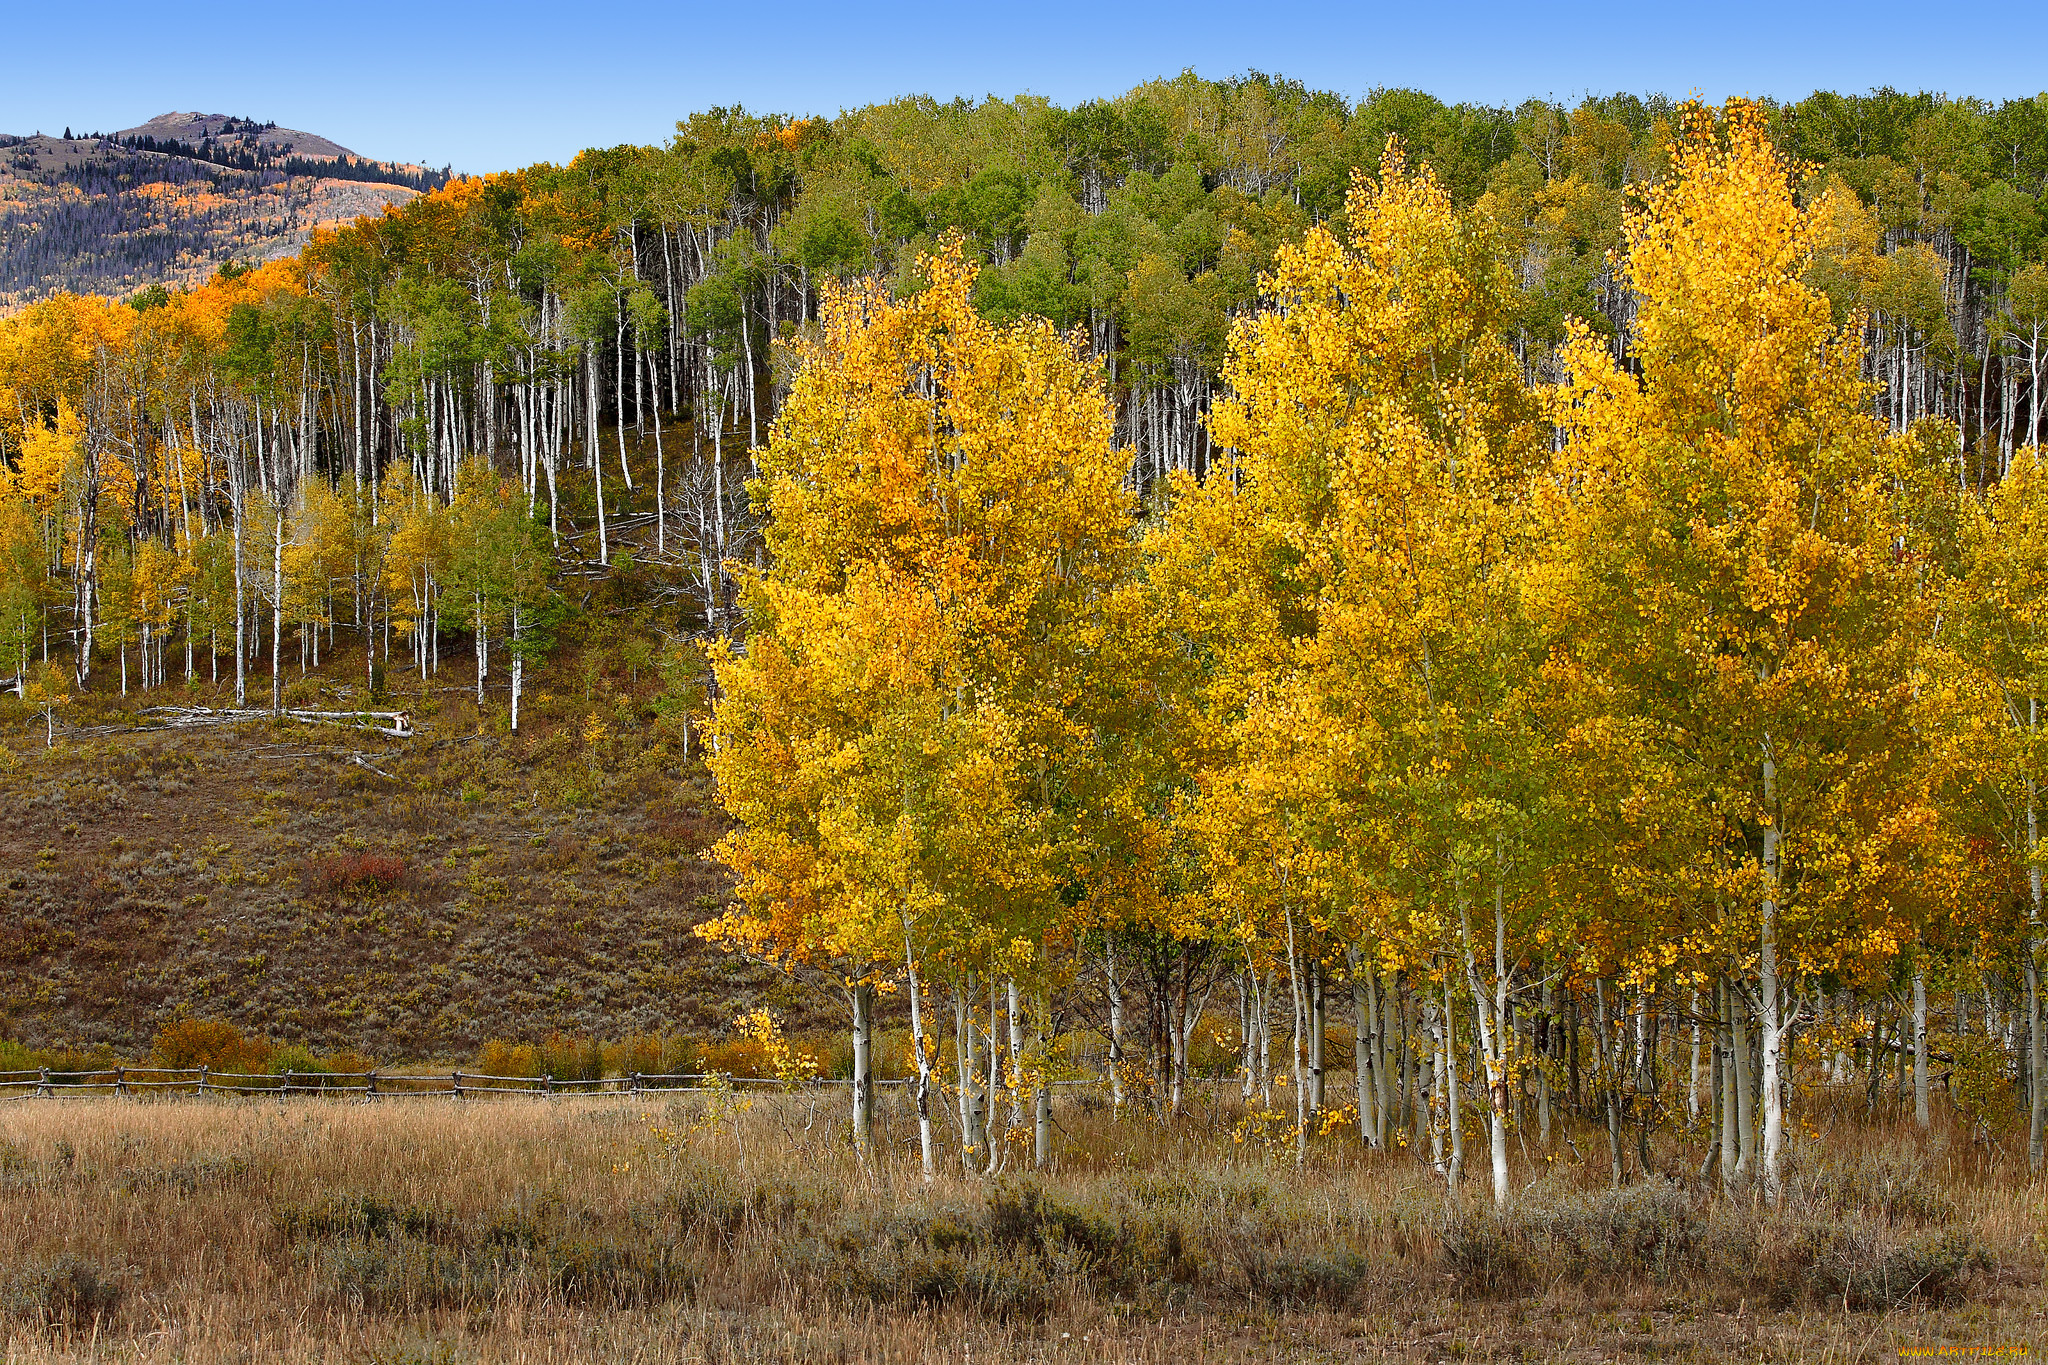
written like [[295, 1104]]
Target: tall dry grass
[[715, 1228]]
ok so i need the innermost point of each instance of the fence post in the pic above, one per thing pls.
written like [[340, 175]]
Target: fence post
[[456, 1081], [548, 1084], [202, 1078], [371, 1092], [287, 1083], [633, 1084], [120, 1080], [43, 1083]]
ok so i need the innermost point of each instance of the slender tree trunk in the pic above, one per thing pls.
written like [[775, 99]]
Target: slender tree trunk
[[1116, 1027], [1295, 1049], [973, 1098], [1362, 1050], [1490, 1014], [596, 453], [1317, 1033], [1745, 1085], [996, 1146], [1727, 1105], [2037, 1104], [277, 611], [922, 1056], [518, 662], [1016, 1021], [1772, 999], [1041, 1101], [863, 1067], [1921, 1116], [1692, 1069]]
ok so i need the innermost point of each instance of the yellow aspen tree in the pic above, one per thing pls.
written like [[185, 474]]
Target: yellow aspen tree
[[160, 577], [1721, 565], [24, 580], [2000, 642], [1384, 439], [947, 522]]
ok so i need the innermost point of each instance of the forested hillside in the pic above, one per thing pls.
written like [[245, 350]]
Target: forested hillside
[[169, 202], [1564, 582]]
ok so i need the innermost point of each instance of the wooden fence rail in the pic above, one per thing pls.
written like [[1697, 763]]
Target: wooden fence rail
[[138, 1080]]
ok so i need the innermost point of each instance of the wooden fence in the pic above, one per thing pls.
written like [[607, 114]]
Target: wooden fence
[[139, 1081]]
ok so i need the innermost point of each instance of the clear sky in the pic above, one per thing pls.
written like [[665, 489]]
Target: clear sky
[[489, 86]]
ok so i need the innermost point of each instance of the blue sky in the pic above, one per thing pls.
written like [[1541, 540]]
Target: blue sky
[[484, 87]]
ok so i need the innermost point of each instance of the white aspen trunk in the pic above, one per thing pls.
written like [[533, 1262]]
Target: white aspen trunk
[[1432, 1029], [1317, 1033], [1295, 1048], [1265, 1025], [996, 1146], [1772, 999], [517, 663], [1610, 1082], [924, 1063], [1176, 1047], [863, 1068], [1921, 1116], [973, 1099], [1490, 1014], [596, 455], [1362, 1050], [2037, 1105], [1247, 992], [660, 472], [1745, 1087], [1543, 1069], [1116, 1029], [1381, 1002], [1041, 1137], [1692, 1070], [753, 419], [1453, 1115], [619, 401], [1417, 1023], [277, 612], [1016, 1020], [718, 496]]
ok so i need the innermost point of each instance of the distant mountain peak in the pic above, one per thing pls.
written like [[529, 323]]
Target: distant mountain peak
[[196, 129]]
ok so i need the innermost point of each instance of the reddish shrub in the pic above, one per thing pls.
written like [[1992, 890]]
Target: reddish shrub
[[361, 876]]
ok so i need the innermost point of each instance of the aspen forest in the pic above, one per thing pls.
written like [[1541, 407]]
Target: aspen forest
[[1490, 650]]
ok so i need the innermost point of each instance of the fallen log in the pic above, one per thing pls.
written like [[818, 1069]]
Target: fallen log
[[397, 724]]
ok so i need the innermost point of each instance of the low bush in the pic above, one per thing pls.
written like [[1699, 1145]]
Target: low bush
[[1841, 1245], [185, 1044], [354, 1216], [1650, 1231], [375, 1256], [64, 1293], [1010, 1257], [356, 876], [1863, 1265]]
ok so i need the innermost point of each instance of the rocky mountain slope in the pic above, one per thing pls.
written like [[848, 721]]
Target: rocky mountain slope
[[169, 201]]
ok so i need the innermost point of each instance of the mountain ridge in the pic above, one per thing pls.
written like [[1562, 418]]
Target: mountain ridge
[[171, 200], [196, 128]]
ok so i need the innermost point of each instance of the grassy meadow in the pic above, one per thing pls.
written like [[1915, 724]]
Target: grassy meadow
[[744, 1228]]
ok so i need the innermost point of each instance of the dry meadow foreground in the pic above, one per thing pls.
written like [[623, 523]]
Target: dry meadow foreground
[[714, 1228]]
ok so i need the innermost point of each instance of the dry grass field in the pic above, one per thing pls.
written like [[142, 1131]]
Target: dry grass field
[[715, 1228]]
